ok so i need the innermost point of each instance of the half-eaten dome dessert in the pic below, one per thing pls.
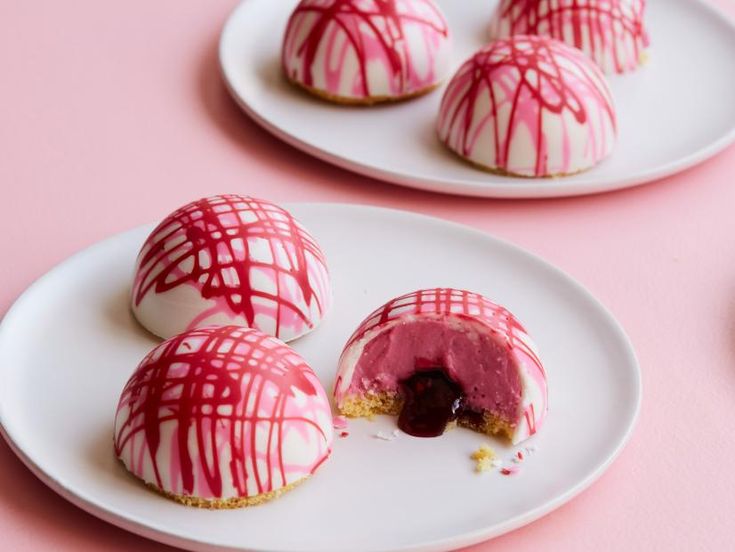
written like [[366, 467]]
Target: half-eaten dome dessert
[[611, 32], [231, 259], [529, 106], [439, 356], [223, 417], [366, 51]]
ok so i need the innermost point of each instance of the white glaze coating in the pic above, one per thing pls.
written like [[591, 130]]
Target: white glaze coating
[[469, 312], [221, 413], [611, 32], [357, 50], [231, 260], [529, 106]]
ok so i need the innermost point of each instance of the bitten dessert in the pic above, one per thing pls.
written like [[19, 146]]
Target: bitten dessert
[[611, 32], [529, 106], [223, 417], [439, 356], [231, 259], [366, 51]]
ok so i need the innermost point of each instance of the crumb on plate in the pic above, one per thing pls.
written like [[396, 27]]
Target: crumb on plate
[[484, 458]]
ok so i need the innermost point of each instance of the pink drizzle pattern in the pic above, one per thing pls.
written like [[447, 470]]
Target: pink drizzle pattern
[[366, 48], [216, 413], [249, 256], [529, 88], [465, 304], [612, 32]]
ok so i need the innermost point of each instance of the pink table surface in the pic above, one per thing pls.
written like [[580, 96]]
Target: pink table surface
[[113, 113]]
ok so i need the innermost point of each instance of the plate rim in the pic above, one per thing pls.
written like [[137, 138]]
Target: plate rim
[[523, 189], [148, 530]]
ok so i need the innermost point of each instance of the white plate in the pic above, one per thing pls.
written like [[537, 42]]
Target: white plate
[[676, 112], [70, 343]]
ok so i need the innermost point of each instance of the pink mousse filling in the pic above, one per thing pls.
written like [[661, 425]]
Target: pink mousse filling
[[474, 360]]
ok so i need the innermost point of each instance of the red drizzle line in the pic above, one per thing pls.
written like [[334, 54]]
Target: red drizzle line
[[599, 18], [445, 301], [383, 19], [530, 416], [530, 56], [198, 227], [189, 385]]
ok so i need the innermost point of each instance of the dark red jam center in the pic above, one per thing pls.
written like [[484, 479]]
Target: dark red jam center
[[431, 401]]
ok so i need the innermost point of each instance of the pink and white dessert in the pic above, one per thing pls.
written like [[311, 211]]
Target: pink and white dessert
[[366, 51], [438, 356], [611, 32], [231, 259], [223, 417], [529, 106]]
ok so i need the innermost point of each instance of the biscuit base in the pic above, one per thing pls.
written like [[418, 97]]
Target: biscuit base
[[497, 171], [503, 172], [218, 503], [367, 101], [390, 403], [225, 503]]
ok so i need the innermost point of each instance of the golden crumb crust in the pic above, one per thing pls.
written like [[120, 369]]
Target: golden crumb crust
[[390, 403], [371, 404], [219, 503], [483, 458], [497, 171], [371, 100], [225, 503]]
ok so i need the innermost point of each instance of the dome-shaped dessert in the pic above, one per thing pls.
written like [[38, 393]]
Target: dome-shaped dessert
[[611, 32], [529, 106], [442, 355], [366, 51], [223, 417], [231, 259]]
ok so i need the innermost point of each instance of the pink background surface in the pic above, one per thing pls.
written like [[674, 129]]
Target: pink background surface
[[114, 113]]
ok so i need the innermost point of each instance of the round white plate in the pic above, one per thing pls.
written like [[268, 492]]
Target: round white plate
[[69, 344], [675, 112]]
